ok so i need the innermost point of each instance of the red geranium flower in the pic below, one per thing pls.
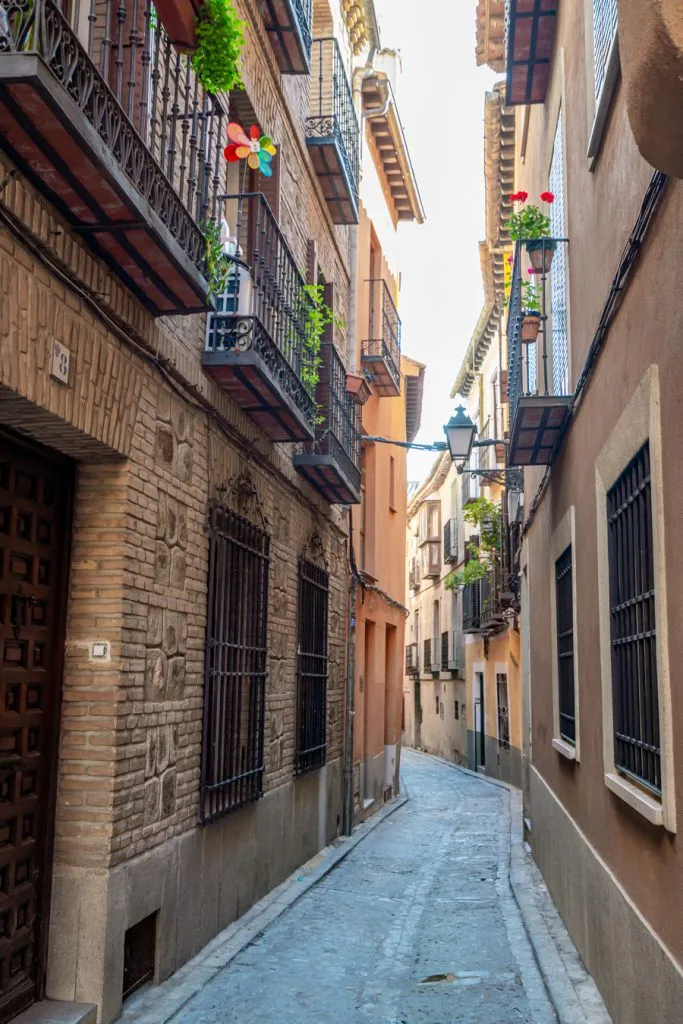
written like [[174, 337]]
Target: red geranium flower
[[509, 259], [519, 197], [547, 197]]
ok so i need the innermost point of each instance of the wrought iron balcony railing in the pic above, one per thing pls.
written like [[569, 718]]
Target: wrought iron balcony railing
[[111, 124], [381, 350], [481, 608], [256, 340], [288, 24], [331, 463], [332, 131], [450, 541], [537, 371], [412, 660]]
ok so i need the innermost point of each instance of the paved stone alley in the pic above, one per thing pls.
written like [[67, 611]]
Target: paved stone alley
[[417, 924]]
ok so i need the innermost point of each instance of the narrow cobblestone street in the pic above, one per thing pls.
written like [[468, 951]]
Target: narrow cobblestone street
[[417, 924]]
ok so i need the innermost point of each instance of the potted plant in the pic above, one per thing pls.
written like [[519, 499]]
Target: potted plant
[[357, 387], [212, 32], [532, 226], [531, 313]]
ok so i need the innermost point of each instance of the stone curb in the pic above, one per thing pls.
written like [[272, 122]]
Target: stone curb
[[560, 988], [161, 1004]]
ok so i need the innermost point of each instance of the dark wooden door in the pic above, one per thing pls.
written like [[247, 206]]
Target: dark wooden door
[[34, 502]]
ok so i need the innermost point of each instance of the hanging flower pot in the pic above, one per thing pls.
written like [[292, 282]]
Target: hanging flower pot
[[541, 252], [179, 18], [531, 324], [357, 388]]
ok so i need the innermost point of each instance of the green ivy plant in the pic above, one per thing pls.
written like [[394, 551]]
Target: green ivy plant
[[220, 38], [316, 315], [217, 263], [485, 515]]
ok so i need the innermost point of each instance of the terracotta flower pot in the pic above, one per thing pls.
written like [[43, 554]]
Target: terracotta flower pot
[[541, 252], [357, 387], [531, 324], [179, 18]]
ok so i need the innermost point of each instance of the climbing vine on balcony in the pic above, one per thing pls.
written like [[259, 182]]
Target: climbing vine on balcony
[[485, 515], [317, 315], [220, 38]]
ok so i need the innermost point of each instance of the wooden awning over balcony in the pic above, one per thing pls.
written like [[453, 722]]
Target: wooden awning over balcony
[[530, 41], [391, 148]]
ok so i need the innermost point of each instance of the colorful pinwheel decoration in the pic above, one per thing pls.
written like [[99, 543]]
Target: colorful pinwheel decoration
[[258, 149]]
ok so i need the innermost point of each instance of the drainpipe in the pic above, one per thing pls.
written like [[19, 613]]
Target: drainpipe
[[350, 701]]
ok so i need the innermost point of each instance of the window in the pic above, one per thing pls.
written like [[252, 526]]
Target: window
[[564, 605], [558, 272], [436, 635], [427, 655], [604, 31], [437, 705], [311, 711], [236, 656], [392, 483], [503, 711], [633, 629], [456, 711]]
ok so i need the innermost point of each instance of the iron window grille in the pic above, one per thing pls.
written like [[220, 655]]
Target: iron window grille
[[427, 664], [604, 31], [564, 610], [311, 712], [503, 711], [235, 664], [637, 751]]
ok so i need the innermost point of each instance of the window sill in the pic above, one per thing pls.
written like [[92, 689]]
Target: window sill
[[565, 749], [650, 808]]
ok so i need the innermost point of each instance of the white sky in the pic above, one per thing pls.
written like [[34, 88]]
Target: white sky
[[441, 103]]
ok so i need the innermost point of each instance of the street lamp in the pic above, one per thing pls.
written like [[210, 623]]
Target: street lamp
[[460, 431]]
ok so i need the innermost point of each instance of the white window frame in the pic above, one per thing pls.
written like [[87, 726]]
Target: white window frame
[[639, 422], [563, 536]]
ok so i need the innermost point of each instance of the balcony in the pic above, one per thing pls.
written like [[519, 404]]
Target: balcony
[[530, 36], [471, 487], [288, 24], [430, 556], [331, 463], [456, 659], [414, 574], [537, 374], [444, 650], [381, 351], [120, 138], [412, 660], [450, 542], [256, 340], [481, 607], [332, 132]]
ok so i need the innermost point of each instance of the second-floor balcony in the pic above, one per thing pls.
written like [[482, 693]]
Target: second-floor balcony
[[381, 350], [256, 346], [537, 370], [288, 24], [332, 132], [331, 463], [109, 123], [481, 607], [412, 660]]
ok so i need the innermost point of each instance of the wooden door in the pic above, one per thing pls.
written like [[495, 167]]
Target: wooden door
[[34, 504]]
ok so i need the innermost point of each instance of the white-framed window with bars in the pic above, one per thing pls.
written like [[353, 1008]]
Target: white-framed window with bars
[[604, 31], [559, 270]]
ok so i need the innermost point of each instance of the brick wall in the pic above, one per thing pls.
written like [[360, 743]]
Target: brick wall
[[149, 460]]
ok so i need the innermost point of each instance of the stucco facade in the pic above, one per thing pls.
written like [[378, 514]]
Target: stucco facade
[[605, 839]]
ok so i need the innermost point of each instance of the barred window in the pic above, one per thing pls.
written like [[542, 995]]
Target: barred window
[[503, 711], [314, 587], [604, 31], [559, 269], [564, 610], [632, 613], [235, 664]]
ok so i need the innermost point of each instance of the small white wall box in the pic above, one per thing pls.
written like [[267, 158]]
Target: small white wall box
[[99, 651]]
